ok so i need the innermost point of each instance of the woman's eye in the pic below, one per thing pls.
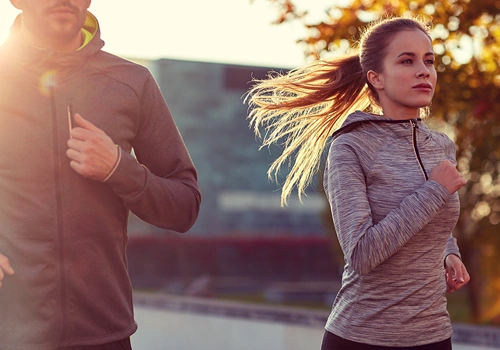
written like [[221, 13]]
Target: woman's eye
[[408, 61]]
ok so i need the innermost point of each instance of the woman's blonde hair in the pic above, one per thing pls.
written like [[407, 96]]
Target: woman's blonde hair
[[301, 109]]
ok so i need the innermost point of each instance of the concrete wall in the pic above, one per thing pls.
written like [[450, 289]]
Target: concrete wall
[[157, 262], [179, 323]]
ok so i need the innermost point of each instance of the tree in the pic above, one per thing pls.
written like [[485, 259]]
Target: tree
[[466, 106]]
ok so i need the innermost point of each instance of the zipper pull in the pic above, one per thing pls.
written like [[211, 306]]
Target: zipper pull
[[69, 107], [413, 123]]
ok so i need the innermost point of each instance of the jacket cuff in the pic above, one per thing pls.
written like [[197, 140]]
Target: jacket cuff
[[129, 178], [439, 190], [116, 164]]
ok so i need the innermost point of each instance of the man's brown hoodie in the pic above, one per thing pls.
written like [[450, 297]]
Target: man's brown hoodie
[[66, 235]]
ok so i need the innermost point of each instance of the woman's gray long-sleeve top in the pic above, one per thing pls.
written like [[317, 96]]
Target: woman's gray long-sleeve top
[[394, 227]]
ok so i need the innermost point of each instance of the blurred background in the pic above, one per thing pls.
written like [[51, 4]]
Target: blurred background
[[247, 259]]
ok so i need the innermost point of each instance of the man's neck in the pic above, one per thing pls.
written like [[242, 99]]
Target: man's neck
[[52, 44]]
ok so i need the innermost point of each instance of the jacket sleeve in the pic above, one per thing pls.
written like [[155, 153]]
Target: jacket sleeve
[[364, 244], [451, 151], [452, 247], [159, 184]]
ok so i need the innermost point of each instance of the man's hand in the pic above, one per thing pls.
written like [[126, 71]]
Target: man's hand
[[93, 154], [5, 268], [456, 273]]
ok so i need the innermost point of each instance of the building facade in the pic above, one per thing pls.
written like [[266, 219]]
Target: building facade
[[207, 103]]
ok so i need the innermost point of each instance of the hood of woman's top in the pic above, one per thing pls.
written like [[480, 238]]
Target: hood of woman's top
[[358, 118]]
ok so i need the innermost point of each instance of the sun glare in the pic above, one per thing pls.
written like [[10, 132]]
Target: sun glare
[[225, 31], [7, 15]]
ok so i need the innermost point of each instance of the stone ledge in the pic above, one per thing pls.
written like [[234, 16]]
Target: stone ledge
[[222, 308], [476, 335]]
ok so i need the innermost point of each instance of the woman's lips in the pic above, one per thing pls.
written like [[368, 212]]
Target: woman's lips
[[423, 87]]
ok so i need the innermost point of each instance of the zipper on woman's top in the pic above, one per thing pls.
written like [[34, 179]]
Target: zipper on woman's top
[[414, 128]]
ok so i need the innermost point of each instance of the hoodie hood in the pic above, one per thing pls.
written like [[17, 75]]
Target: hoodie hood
[[358, 118], [35, 58], [89, 30]]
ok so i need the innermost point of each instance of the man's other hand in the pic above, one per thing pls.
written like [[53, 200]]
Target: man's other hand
[[5, 268]]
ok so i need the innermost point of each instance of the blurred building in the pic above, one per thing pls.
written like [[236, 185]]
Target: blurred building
[[207, 103]]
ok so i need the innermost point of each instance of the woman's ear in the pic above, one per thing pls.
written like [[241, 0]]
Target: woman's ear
[[375, 79]]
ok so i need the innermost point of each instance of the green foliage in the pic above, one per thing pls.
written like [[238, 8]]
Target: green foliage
[[466, 106]]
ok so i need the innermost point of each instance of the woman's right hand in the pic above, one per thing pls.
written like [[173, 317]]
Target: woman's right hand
[[5, 268], [447, 175]]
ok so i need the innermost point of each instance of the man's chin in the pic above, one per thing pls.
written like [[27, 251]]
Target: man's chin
[[63, 32]]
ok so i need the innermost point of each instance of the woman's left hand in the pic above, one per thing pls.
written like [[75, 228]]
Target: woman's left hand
[[456, 273]]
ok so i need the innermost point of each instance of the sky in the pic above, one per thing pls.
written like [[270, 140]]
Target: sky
[[223, 31]]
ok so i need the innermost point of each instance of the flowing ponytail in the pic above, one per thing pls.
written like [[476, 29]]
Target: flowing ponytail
[[301, 109]]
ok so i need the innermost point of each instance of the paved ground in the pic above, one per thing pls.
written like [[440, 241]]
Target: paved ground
[[180, 330]]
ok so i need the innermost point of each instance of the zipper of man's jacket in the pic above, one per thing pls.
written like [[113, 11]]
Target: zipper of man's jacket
[[58, 193], [414, 127]]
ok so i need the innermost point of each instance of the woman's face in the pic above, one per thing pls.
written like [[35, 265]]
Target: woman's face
[[409, 78]]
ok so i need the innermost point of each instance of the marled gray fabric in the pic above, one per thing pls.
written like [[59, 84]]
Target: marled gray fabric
[[394, 228]]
